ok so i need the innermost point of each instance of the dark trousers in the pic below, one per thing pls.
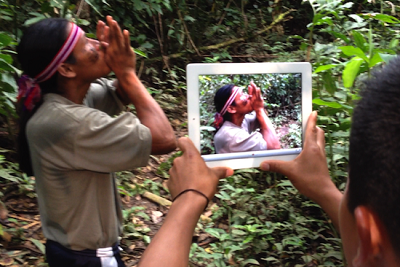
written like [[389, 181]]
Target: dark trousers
[[59, 256]]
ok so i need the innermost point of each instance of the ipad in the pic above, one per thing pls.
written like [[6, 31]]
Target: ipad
[[286, 90]]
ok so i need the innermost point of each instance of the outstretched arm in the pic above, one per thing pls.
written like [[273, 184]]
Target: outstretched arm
[[171, 245], [309, 171], [266, 127], [121, 59]]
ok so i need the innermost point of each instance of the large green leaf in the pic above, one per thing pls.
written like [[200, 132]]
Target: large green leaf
[[5, 87], [354, 51], [360, 41], [4, 174], [329, 82], [89, 2], [350, 71], [325, 67], [5, 39], [6, 58], [9, 79], [5, 66], [376, 58], [36, 18], [394, 43], [321, 102], [140, 53], [340, 35], [386, 18], [38, 244]]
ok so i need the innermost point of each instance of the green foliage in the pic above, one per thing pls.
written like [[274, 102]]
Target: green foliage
[[134, 227], [260, 219], [268, 224], [344, 48], [10, 174], [8, 86]]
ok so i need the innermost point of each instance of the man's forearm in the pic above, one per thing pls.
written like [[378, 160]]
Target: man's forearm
[[267, 130], [149, 113], [171, 245], [329, 199]]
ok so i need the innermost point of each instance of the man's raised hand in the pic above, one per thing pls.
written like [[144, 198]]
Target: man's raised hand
[[257, 102]]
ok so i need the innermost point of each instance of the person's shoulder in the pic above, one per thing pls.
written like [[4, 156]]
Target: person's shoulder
[[227, 126], [228, 129], [57, 108], [57, 116]]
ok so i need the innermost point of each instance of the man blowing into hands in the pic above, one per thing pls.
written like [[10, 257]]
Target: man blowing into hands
[[74, 135], [239, 117]]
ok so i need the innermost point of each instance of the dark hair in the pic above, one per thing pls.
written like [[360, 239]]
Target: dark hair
[[374, 176], [221, 97], [37, 48]]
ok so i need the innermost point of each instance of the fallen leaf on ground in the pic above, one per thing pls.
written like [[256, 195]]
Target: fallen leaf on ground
[[137, 221], [6, 261], [6, 236], [3, 211], [207, 213], [156, 216]]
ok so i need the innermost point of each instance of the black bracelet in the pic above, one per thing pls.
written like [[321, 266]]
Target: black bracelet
[[194, 190]]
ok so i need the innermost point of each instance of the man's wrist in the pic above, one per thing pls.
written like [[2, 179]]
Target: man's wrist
[[326, 192], [259, 110], [191, 199], [127, 76]]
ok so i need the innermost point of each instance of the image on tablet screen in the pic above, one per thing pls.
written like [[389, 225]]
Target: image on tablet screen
[[283, 90], [281, 94]]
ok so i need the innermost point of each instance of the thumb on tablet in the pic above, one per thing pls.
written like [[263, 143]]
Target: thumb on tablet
[[280, 166], [222, 172]]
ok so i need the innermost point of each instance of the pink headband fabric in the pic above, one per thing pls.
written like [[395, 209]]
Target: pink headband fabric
[[28, 88], [69, 45], [234, 93], [218, 119]]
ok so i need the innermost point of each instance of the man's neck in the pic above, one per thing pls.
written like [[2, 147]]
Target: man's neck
[[237, 119], [73, 90]]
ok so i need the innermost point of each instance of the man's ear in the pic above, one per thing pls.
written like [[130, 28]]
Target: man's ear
[[372, 234], [231, 109], [66, 70]]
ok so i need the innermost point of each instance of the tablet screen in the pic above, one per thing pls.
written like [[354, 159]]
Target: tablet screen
[[239, 143]]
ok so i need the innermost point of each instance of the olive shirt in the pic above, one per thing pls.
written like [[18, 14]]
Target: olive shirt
[[75, 149], [232, 138]]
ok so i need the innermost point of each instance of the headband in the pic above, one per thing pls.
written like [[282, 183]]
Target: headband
[[218, 119], [69, 45], [234, 93], [28, 87]]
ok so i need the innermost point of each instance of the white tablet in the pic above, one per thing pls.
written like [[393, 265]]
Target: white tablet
[[286, 90]]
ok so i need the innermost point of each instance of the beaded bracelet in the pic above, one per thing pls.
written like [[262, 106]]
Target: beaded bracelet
[[194, 190]]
